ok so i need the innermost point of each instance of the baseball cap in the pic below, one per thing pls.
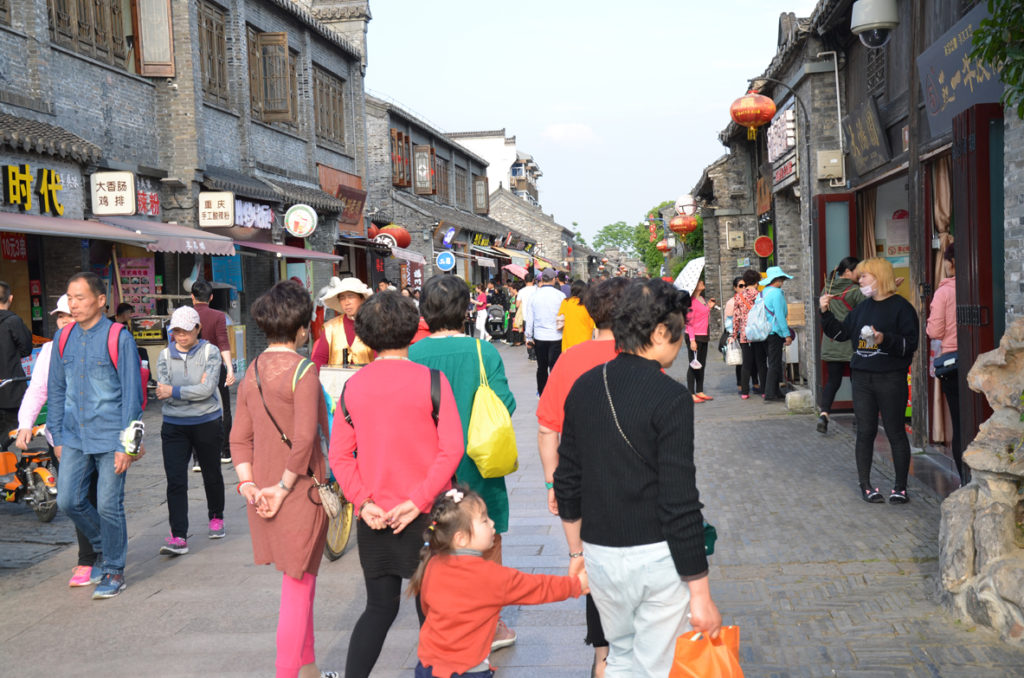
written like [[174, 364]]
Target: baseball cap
[[548, 274], [62, 306], [183, 318]]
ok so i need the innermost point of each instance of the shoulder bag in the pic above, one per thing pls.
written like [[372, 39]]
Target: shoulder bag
[[710, 533], [491, 440], [328, 498]]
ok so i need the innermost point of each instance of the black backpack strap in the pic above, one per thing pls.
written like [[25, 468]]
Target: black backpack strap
[[344, 410], [259, 387], [435, 394]]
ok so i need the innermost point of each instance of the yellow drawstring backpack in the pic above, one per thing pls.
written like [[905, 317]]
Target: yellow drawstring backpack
[[491, 441]]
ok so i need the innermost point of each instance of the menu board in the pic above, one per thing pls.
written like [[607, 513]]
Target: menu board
[[138, 279]]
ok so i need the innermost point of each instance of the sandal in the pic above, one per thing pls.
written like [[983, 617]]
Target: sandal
[[898, 496], [871, 496], [704, 396]]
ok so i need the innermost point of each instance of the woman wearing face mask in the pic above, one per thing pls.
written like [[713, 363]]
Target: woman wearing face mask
[[883, 331], [845, 292]]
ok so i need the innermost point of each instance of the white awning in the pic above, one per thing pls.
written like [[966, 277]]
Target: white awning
[[486, 262], [408, 255]]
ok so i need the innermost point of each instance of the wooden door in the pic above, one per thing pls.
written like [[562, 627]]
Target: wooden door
[[977, 230]]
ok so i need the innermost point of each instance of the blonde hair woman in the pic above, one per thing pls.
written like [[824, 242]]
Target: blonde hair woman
[[883, 331]]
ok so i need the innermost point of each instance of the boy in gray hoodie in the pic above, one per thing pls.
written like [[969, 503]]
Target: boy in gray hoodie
[[186, 373]]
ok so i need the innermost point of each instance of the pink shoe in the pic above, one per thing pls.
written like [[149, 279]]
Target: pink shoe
[[82, 576], [503, 636], [744, 396]]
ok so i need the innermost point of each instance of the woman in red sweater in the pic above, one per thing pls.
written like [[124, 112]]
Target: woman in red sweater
[[404, 460], [462, 594]]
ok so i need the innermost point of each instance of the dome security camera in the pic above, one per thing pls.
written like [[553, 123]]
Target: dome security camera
[[873, 21]]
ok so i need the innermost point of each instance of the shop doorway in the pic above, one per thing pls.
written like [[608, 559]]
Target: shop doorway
[[837, 239], [978, 235]]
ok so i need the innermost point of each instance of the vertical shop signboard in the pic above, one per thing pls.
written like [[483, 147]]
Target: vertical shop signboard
[[138, 279]]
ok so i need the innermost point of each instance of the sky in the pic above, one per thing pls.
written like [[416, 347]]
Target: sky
[[620, 103]]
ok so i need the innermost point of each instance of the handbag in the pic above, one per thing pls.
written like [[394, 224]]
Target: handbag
[[945, 363], [710, 533], [733, 353], [328, 497], [491, 440], [698, 656]]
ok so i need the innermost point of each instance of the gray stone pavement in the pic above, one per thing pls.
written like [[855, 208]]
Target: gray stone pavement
[[821, 583]]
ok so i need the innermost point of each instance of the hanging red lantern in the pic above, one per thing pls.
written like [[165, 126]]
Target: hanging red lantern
[[604, 260], [601, 267], [662, 246], [752, 111], [683, 224], [371, 232], [399, 234]]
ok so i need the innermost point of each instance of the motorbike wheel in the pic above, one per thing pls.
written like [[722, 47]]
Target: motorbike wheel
[[43, 504], [339, 529]]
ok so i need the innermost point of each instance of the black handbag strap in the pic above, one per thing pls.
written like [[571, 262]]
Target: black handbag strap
[[259, 386], [435, 398], [615, 418]]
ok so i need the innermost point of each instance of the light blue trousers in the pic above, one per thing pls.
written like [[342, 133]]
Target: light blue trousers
[[644, 607]]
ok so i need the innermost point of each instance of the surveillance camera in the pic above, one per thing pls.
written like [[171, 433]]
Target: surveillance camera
[[873, 21]]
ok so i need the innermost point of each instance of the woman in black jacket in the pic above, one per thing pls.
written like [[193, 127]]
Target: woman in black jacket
[[883, 330]]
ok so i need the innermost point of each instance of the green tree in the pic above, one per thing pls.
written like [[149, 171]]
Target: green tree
[[998, 41], [578, 235], [620, 236]]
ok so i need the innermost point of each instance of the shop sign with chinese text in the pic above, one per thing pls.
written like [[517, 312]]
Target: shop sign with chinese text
[[782, 134], [13, 246], [113, 193], [869, 147], [18, 180], [216, 208], [253, 215], [951, 80]]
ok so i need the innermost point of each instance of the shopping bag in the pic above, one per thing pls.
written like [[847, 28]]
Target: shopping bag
[[759, 320], [491, 440], [733, 354], [698, 656]]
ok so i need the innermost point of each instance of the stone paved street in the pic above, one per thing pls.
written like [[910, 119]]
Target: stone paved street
[[821, 583]]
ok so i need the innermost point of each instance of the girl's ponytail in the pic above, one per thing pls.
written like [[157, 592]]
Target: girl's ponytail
[[448, 517]]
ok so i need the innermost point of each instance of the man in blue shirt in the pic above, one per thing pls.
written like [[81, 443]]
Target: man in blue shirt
[[90, 401], [775, 305]]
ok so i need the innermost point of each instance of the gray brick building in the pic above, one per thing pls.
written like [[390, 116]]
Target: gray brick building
[[258, 97]]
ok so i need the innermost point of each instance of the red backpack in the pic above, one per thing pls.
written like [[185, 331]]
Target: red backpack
[[112, 351]]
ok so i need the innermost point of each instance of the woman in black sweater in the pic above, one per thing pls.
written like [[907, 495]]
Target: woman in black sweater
[[627, 492], [883, 330]]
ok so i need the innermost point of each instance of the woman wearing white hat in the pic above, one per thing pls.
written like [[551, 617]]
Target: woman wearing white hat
[[339, 345]]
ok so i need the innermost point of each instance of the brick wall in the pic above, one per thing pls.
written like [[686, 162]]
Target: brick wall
[[517, 214], [1013, 188]]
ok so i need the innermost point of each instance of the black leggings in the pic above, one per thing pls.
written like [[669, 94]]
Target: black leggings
[[951, 389], [595, 631], [882, 393], [834, 370], [696, 377], [753, 365], [383, 595]]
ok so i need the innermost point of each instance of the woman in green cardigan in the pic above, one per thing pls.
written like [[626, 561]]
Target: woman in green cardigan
[[443, 303], [845, 291]]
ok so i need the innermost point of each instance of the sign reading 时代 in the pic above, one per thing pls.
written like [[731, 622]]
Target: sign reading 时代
[[18, 188]]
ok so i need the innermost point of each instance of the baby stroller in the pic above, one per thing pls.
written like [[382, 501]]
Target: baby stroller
[[495, 323]]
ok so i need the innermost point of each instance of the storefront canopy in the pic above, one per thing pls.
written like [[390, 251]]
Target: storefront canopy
[[176, 238], [288, 251], [15, 222], [517, 256], [242, 185]]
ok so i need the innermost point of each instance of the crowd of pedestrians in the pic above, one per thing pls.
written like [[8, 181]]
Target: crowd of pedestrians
[[615, 437]]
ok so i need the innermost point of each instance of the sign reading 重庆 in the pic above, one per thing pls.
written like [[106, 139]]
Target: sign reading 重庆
[[113, 193], [216, 208]]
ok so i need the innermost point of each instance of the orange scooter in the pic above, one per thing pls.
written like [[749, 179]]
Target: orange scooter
[[34, 476]]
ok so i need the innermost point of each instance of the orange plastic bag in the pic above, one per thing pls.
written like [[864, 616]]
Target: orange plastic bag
[[698, 656]]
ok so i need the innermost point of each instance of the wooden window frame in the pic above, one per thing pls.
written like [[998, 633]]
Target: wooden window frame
[[423, 156], [154, 38], [329, 106], [481, 196], [442, 184], [263, 51], [94, 28], [461, 187], [213, 52], [5, 12], [401, 159]]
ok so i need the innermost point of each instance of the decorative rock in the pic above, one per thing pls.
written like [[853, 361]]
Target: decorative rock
[[956, 538], [800, 401], [981, 549]]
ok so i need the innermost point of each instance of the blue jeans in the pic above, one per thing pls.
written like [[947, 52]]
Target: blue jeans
[[103, 525], [643, 604]]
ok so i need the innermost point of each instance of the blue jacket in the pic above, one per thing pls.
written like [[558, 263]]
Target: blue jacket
[[89, 403], [775, 304]]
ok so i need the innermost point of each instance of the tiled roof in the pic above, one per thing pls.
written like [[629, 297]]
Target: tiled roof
[[314, 197], [33, 136]]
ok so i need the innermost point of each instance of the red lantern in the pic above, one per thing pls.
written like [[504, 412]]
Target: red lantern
[[601, 267], [400, 235], [751, 111], [684, 224], [372, 232], [604, 260], [663, 246]]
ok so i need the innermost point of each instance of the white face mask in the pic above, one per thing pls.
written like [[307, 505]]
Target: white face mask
[[867, 290]]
